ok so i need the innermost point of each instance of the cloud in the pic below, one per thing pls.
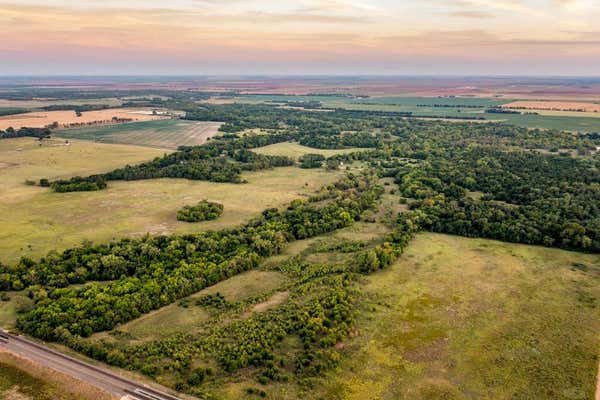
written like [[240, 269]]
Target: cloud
[[471, 14]]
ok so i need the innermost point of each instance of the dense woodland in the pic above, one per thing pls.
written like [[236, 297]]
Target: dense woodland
[[472, 179]]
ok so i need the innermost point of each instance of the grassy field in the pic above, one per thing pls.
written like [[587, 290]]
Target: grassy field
[[163, 134], [295, 150], [35, 220], [23, 380], [460, 318], [176, 318], [424, 106]]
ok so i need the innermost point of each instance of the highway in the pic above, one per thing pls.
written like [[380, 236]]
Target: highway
[[92, 374]]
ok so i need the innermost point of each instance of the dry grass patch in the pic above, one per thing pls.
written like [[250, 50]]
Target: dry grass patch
[[272, 302], [554, 105], [295, 150], [40, 119]]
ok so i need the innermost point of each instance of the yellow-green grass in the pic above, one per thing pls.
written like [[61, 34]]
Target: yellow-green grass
[[8, 309], [161, 323], [21, 379], [246, 285], [461, 318], [295, 150], [175, 318], [35, 220], [27, 158]]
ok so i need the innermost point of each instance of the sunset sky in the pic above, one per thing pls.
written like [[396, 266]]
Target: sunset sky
[[549, 37]]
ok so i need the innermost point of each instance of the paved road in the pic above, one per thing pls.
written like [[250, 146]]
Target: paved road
[[96, 376]]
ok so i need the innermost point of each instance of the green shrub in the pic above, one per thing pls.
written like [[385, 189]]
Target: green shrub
[[203, 211]]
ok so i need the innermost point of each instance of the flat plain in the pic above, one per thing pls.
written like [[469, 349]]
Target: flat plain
[[459, 318], [36, 220], [40, 119], [162, 134]]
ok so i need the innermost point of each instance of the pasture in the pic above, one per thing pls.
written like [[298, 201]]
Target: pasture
[[163, 134], [36, 220], [459, 318], [295, 150], [41, 119]]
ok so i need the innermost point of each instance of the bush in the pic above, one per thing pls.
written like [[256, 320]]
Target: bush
[[203, 211], [311, 160]]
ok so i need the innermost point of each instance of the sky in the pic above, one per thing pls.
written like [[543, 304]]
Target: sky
[[287, 37]]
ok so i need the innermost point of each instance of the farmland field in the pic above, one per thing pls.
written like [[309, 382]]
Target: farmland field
[[40, 119], [36, 220], [440, 107], [295, 150], [554, 105], [37, 103], [163, 134]]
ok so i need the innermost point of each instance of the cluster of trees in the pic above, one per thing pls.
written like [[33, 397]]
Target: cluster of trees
[[311, 160], [40, 133], [499, 110], [203, 211], [525, 197], [76, 184], [152, 272]]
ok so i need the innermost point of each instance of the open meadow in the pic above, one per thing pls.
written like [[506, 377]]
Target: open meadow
[[459, 318], [36, 220], [163, 134], [295, 150]]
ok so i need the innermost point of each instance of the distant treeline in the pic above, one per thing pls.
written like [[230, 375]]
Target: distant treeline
[[12, 111], [498, 110], [76, 107]]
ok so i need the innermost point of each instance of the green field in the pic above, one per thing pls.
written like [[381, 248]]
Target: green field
[[460, 318], [35, 220], [295, 150], [424, 107], [162, 134]]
